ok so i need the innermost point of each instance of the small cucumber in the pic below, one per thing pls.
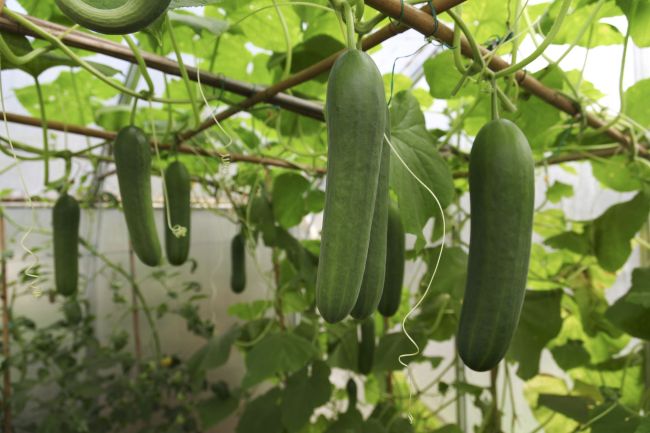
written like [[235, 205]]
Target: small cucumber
[[356, 121], [238, 260], [395, 259], [502, 200], [367, 346], [178, 186], [65, 227], [133, 165]]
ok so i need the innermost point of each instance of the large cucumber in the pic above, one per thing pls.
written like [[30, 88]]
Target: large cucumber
[[395, 259], [178, 186], [238, 263], [132, 16], [367, 346], [374, 274], [133, 164], [65, 227], [502, 195], [356, 120]]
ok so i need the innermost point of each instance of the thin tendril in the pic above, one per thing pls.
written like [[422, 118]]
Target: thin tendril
[[36, 291], [433, 275]]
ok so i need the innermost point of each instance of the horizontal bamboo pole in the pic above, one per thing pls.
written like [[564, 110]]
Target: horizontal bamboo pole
[[423, 23], [315, 70], [110, 135], [99, 45]]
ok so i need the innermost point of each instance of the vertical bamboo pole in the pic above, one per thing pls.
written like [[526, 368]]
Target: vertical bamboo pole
[[6, 393], [135, 308]]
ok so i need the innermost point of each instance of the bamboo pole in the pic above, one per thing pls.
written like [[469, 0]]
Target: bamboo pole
[[315, 70], [422, 22], [99, 45], [6, 352], [110, 136]]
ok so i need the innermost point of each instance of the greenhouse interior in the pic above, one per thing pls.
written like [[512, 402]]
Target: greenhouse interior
[[325, 216]]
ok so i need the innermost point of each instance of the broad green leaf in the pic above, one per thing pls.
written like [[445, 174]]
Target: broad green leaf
[[609, 420], [249, 310], [574, 407], [262, 414], [275, 354], [198, 23], [289, 191], [213, 411], [305, 391], [559, 190], [636, 100], [391, 347], [539, 323], [578, 243], [638, 19], [442, 76], [546, 384], [615, 228], [631, 313], [618, 172], [416, 148], [570, 355], [600, 33], [214, 354], [644, 425]]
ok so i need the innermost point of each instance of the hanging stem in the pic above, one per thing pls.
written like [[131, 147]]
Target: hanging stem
[[349, 22], [141, 64], [184, 75], [495, 99], [135, 315], [542, 47], [46, 141]]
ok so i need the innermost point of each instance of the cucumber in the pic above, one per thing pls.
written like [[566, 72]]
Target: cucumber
[[374, 273], [502, 200], [133, 164], [351, 390], [238, 261], [178, 186], [395, 259], [65, 228], [72, 312], [132, 16], [367, 346], [356, 120]]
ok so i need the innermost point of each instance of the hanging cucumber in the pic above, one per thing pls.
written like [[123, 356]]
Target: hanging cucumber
[[132, 16], [502, 195], [356, 120], [367, 346], [178, 186], [238, 261], [65, 228], [395, 259], [133, 164], [374, 273]]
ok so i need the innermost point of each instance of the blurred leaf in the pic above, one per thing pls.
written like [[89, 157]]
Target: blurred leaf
[[574, 407], [639, 20], [262, 414], [214, 354], [539, 323], [199, 23], [305, 392], [559, 190], [636, 99], [631, 313], [289, 199]]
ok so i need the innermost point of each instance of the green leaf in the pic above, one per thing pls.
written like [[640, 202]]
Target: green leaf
[[644, 426], [631, 313], [198, 23], [571, 354], [305, 392], [539, 323], [213, 411], [639, 20], [289, 199], [574, 407], [449, 428], [442, 76], [616, 420], [578, 243], [618, 172], [249, 310], [558, 191], [416, 147], [391, 347], [262, 414], [636, 101], [275, 354], [615, 228], [214, 354]]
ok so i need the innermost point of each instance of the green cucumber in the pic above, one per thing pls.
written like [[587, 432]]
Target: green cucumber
[[238, 262], [132, 16], [367, 346], [351, 390], [395, 259], [133, 164], [374, 273], [178, 186], [65, 228], [502, 200], [356, 120]]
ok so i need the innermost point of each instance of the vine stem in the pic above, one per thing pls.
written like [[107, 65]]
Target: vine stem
[[6, 351], [184, 75], [548, 40], [349, 22], [135, 315], [46, 140]]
